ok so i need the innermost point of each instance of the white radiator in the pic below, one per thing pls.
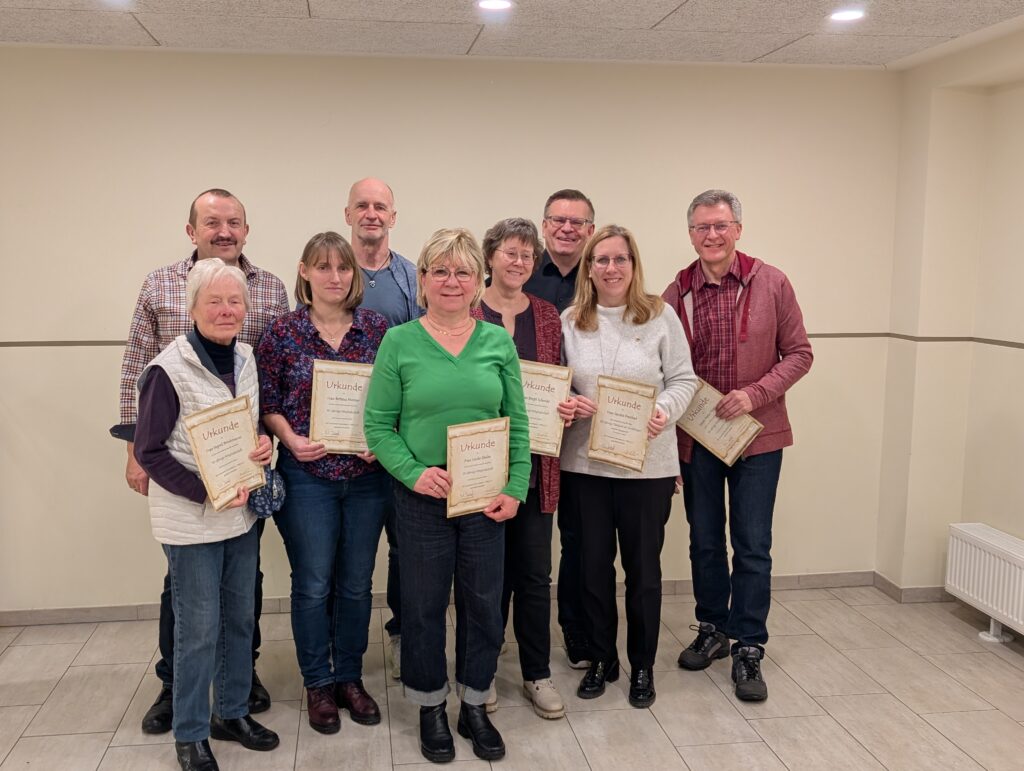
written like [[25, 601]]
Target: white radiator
[[985, 569]]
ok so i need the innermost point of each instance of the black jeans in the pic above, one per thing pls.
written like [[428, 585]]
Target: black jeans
[[394, 625], [165, 666], [528, 578], [570, 582], [636, 510]]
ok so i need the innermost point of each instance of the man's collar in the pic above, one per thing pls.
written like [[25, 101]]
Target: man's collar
[[549, 268], [700, 279]]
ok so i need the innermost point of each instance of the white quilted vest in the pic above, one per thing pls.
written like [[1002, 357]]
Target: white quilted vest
[[176, 520]]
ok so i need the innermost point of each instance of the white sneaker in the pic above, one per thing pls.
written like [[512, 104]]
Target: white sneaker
[[395, 654], [491, 702], [545, 699]]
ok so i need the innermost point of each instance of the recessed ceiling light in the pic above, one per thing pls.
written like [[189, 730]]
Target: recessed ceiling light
[[848, 15], [494, 5]]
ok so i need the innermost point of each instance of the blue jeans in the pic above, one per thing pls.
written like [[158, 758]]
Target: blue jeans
[[394, 625], [752, 483], [211, 590], [435, 550], [330, 531]]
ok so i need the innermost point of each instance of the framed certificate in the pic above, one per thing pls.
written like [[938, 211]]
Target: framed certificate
[[477, 464], [222, 437], [618, 430], [545, 386], [725, 439], [336, 409]]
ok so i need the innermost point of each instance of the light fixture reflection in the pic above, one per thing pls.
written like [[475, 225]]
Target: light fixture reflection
[[494, 5], [851, 14]]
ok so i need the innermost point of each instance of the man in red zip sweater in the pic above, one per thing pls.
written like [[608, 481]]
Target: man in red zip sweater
[[747, 339]]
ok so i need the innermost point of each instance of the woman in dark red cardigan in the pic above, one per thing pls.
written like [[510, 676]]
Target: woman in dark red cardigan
[[512, 251]]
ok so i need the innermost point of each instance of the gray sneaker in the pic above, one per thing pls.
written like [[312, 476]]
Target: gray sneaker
[[746, 673], [710, 644]]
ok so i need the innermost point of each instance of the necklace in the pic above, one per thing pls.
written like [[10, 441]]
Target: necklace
[[453, 332], [371, 275], [615, 356], [327, 334]]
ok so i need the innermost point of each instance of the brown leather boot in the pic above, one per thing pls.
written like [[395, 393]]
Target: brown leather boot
[[360, 705], [323, 710]]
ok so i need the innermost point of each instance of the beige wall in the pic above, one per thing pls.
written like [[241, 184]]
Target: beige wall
[[102, 152]]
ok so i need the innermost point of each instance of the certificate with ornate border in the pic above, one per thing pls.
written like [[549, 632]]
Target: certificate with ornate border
[[336, 408], [618, 430], [222, 437], [725, 439], [477, 464], [545, 386]]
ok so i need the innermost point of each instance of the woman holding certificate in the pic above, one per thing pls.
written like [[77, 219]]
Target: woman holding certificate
[[335, 505], [512, 252], [433, 375], [211, 551], [616, 330]]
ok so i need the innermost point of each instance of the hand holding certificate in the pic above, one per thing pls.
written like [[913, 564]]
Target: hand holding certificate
[[618, 431], [222, 438], [725, 439], [477, 464], [336, 408], [545, 386]]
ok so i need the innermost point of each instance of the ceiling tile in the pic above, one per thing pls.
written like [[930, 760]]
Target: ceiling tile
[[71, 28], [931, 18], [309, 35], [848, 50], [645, 45], [752, 16], [295, 8]]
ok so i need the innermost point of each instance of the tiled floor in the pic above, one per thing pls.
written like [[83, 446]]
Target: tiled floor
[[856, 681]]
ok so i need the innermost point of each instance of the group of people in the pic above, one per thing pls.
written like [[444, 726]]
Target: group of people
[[445, 337]]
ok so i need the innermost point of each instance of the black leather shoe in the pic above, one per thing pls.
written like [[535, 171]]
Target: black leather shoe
[[641, 687], [259, 698], [600, 672], [157, 719], [436, 742], [476, 726], [245, 731], [195, 756]]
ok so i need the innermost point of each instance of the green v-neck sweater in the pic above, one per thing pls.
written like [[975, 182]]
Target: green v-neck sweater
[[418, 389]]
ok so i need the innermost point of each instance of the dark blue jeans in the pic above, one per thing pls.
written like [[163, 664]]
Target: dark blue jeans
[[571, 616], [394, 624], [331, 530], [738, 604], [435, 550]]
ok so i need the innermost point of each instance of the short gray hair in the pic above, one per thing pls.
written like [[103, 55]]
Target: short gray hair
[[513, 227], [713, 198], [205, 272]]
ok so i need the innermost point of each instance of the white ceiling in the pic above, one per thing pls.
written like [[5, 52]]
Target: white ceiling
[[734, 31]]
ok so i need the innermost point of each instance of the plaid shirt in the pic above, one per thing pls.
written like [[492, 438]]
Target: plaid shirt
[[714, 328], [161, 315]]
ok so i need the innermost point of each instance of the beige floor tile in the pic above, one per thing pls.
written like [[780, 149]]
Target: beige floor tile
[[29, 672], [459, 765], [279, 670], [782, 623], [991, 738], [841, 626], [559, 660], [679, 617], [276, 626], [819, 668], [376, 628], [13, 720], [144, 757], [785, 697], [8, 634], [749, 756], [57, 753], [794, 595], [50, 634], [533, 743], [404, 720], [999, 683], [895, 735], [692, 710], [920, 629], [88, 700], [120, 642], [508, 680], [916, 682], [671, 599], [283, 718], [665, 660], [614, 696], [814, 744], [629, 738], [129, 732], [862, 595], [356, 747]]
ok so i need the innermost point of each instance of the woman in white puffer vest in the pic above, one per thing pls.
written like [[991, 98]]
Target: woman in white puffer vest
[[212, 555]]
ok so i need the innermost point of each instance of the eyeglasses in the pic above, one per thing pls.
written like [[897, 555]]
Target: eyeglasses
[[512, 256], [442, 273], [619, 261], [718, 227], [576, 222]]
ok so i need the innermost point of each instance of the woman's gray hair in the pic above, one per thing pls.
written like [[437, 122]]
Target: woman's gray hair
[[205, 272], [713, 198], [513, 227]]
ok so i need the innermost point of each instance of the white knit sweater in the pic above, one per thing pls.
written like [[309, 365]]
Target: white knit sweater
[[655, 353]]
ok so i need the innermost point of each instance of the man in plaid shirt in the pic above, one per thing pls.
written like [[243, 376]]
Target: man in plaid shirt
[[217, 228]]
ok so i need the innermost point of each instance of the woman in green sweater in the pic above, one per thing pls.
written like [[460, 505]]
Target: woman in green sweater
[[440, 370]]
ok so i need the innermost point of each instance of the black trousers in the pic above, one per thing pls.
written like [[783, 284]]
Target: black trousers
[[528, 583], [165, 666], [635, 512]]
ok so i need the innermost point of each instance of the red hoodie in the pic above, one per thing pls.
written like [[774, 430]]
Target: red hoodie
[[772, 349]]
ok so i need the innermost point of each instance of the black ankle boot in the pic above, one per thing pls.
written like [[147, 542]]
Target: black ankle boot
[[195, 756], [641, 687], [475, 725], [436, 742], [600, 672]]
